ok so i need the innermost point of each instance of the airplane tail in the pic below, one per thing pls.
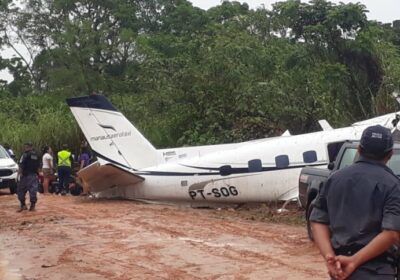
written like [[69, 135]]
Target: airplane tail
[[111, 136]]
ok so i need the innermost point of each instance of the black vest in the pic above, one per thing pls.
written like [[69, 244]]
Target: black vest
[[30, 163]]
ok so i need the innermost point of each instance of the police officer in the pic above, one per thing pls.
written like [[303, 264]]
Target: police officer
[[28, 182], [356, 217], [64, 168]]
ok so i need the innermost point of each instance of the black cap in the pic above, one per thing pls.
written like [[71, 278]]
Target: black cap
[[376, 140]]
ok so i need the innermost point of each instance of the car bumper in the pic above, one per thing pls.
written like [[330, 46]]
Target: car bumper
[[6, 180]]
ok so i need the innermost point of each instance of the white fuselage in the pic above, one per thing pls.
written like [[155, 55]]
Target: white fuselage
[[198, 178], [255, 171]]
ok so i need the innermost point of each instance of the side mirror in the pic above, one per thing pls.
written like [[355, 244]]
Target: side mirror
[[331, 165]]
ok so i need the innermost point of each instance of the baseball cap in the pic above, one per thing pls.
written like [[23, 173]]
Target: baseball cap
[[376, 140]]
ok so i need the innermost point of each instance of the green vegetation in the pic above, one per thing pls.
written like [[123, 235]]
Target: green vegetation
[[186, 76]]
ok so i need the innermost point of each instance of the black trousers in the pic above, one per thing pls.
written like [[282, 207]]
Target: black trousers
[[28, 183], [64, 173]]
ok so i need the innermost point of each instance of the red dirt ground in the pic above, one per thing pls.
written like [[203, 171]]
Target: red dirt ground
[[81, 238]]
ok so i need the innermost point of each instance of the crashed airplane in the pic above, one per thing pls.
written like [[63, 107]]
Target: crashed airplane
[[129, 166]]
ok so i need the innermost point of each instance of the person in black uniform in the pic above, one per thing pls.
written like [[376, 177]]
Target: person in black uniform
[[28, 182], [356, 216]]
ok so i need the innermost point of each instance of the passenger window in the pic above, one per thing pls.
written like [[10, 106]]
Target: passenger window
[[310, 156], [255, 165], [282, 161], [225, 170]]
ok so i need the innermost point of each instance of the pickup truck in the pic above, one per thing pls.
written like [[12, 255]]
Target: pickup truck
[[312, 178]]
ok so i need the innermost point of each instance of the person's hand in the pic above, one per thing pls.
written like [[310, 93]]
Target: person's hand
[[348, 266], [333, 266]]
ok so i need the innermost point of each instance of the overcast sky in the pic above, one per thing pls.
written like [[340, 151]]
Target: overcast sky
[[381, 10]]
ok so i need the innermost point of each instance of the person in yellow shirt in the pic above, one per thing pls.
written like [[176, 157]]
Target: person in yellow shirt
[[64, 163]]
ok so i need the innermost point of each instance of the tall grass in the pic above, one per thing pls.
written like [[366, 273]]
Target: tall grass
[[46, 120], [42, 120]]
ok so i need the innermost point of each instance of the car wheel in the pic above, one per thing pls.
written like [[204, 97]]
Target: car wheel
[[308, 213], [13, 187]]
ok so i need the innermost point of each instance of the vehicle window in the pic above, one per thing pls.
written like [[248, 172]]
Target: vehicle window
[[394, 162], [349, 156], [396, 135], [3, 153]]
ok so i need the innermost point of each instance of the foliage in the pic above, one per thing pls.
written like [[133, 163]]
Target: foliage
[[186, 76], [42, 120]]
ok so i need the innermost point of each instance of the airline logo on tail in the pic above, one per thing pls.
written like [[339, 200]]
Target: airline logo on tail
[[110, 136], [107, 126]]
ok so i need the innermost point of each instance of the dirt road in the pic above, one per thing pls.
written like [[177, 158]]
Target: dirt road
[[80, 238]]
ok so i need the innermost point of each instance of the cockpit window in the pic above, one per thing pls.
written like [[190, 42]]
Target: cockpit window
[[333, 150]]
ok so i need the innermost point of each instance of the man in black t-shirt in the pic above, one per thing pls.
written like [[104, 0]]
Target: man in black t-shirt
[[28, 171]]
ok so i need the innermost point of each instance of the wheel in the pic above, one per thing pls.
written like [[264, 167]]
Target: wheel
[[13, 187], [76, 190], [308, 213]]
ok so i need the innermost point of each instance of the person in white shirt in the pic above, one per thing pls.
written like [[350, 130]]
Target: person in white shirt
[[47, 168], [9, 151]]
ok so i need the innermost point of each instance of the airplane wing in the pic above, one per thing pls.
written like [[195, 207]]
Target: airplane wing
[[291, 194], [97, 177], [385, 120]]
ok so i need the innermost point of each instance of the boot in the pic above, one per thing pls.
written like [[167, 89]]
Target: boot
[[32, 207], [22, 208]]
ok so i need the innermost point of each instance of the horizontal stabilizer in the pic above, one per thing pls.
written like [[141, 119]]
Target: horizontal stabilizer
[[97, 178], [325, 125], [286, 133]]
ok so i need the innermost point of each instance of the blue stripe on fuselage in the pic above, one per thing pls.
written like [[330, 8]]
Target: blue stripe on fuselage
[[233, 171], [213, 170]]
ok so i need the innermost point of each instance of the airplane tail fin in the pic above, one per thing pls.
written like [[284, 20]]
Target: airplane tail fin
[[111, 136]]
